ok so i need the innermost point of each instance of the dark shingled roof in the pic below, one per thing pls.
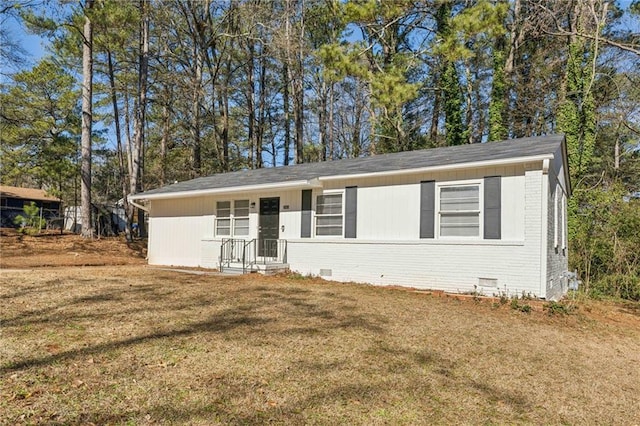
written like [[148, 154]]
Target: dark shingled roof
[[524, 147]]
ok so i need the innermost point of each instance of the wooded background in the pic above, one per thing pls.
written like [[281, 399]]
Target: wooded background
[[134, 95]]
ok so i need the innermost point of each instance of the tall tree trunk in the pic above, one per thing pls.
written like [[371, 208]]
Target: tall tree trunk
[[322, 121], [357, 128], [120, 150], [287, 120], [497, 103], [140, 114], [226, 122], [262, 107], [298, 91], [331, 127], [87, 118], [289, 86], [196, 126], [164, 142], [469, 102], [435, 118], [251, 112]]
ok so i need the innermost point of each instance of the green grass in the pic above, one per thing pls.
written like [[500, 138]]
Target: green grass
[[132, 345]]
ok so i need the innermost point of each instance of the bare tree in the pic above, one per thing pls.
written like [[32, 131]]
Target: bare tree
[[87, 117]]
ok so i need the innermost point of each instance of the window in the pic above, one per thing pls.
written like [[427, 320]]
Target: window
[[223, 218], [329, 214], [460, 211], [241, 217], [228, 224]]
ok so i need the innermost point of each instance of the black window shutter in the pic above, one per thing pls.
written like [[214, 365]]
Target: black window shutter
[[351, 211], [492, 206], [427, 208], [305, 224]]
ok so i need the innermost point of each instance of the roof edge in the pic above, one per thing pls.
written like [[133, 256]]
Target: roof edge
[[312, 183], [316, 183], [444, 167]]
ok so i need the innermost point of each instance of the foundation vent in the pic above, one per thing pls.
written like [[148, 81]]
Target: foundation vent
[[488, 282]]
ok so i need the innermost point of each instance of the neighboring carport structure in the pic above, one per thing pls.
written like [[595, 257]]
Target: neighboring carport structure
[[13, 199]]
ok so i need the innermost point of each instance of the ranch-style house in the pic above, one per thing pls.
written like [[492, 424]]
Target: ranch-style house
[[487, 218]]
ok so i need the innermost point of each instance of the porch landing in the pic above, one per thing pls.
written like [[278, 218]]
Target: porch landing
[[265, 269]]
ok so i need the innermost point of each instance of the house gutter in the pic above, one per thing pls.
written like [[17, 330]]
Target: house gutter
[[444, 167], [140, 206], [298, 184]]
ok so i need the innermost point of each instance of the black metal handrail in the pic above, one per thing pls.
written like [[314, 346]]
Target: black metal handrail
[[231, 250], [248, 255], [271, 251], [252, 252]]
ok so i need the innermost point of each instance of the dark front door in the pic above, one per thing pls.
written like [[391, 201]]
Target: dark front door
[[268, 229]]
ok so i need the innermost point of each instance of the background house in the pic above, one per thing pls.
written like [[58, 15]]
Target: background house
[[13, 199], [108, 219], [487, 218]]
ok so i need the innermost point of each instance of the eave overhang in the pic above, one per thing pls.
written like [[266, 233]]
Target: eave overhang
[[297, 184], [317, 182], [443, 167]]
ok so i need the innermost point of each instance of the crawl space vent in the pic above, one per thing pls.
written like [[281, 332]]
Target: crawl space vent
[[488, 282]]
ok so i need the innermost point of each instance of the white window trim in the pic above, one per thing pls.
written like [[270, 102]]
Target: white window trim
[[468, 182], [232, 217], [315, 209]]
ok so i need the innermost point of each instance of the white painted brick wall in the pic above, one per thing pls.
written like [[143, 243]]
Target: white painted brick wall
[[182, 236], [454, 267], [557, 261]]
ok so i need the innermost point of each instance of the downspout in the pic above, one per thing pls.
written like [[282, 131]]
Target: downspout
[[544, 228]]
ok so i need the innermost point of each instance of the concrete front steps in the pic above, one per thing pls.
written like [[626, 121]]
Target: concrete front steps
[[261, 268]]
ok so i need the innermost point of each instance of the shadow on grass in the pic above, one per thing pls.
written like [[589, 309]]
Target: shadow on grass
[[26, 290], [278, 307], [225, 321], [53, 315], [257, 312]]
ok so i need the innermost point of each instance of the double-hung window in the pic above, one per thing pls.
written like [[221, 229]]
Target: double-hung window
[[241, 217], [460, 211], [232, 221], [223, 218], [329, 215]]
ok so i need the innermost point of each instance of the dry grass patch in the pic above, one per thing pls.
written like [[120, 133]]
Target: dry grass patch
[[132, 345], [50, 248]]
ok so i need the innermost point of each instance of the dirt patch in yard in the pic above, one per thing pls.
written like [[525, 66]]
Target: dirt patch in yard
[[18, 251], [137, 345]]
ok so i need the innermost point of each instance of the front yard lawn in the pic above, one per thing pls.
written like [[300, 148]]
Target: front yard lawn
[[136, 345]]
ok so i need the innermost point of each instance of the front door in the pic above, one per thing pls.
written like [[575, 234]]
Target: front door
[[268, 228]]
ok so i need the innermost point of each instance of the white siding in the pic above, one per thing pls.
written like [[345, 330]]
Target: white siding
[[389, 206], [513, 207], [389, 212], [176, 228], [181, 231], [387, 250], [436, 264]]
